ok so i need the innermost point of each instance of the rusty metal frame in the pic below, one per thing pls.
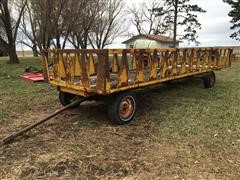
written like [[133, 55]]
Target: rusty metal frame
[[89, 72]]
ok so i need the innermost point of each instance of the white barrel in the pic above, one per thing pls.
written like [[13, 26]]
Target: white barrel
[[145, 43]]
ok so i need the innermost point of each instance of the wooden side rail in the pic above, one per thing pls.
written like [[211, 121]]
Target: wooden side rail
[[109, 70]]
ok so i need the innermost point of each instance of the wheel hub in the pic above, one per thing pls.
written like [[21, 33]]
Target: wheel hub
[[126, 108]]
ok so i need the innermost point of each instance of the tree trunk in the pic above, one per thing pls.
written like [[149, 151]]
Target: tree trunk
[[35, 51], [13, 58], [175, 24], [58, 42]]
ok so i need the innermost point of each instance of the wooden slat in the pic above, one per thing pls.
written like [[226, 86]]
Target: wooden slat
[[115, 63], [164, 62], [133, 61], [174, 63], [103, 76], [91, 64], [210, 58], [123, 70], [190, 60], [77, 66], [56, 75], [184, 62], [69, 69], [61, 67], [153, 66], [140, 67], [85, 75], [230, 51], [198, 63]]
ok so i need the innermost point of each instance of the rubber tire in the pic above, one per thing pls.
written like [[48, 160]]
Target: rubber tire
[[114, 105], [67, 98], [209, 80]]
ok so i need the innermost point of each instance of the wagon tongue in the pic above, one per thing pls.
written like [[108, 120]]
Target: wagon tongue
[[13, 136]]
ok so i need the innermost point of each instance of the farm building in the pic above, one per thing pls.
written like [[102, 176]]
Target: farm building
[[150, 41]]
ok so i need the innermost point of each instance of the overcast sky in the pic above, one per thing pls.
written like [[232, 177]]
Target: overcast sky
[[215, 23]]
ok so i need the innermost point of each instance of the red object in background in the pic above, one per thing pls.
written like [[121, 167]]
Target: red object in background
[[32, 76]]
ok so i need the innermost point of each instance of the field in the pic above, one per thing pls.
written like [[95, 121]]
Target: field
[[181, 131]]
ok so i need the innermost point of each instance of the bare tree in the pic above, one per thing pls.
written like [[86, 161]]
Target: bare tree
[[47, 15], [86, 11], [9, 25], [49, 23], [149, 21], [108, 24], [29, 29]]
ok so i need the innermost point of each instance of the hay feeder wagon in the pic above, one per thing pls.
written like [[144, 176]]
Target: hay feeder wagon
[[112, 74]]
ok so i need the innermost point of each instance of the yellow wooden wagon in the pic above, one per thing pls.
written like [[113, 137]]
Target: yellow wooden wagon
[[113, 73]]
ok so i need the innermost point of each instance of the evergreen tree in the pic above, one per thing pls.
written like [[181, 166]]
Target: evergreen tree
[[235, 15], [183, 14]]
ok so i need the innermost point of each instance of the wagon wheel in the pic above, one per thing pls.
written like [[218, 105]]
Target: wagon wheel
[[209, 80], [68, 98], [123, 107]]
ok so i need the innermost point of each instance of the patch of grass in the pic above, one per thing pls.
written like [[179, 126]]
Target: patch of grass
[[17, 95], [181, 131]]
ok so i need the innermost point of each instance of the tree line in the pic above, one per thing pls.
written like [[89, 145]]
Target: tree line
[[54, 23], [91, 23]]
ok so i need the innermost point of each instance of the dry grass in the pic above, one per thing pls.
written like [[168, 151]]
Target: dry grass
[[182, 131]]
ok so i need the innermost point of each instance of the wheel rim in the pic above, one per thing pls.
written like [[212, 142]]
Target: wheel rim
[[127, 108]]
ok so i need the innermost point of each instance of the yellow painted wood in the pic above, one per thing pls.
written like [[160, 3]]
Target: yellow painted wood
[[115, 63], [174, 64], [139, 76], [62, 71], [108, 85], [134, 62], [164, 67], [197, 63], [139, 72], [123, 77], [77, 66], [153, 67], [55, 67], [209, 60], [191, 57], [69, 69], [92, 70], [214, 61], [73, 69], [183, 62]]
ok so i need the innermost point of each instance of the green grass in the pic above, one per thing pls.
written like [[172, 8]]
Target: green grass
[[181, 131], [16, 94]]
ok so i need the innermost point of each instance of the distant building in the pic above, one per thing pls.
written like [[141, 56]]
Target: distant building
[[150, 41]]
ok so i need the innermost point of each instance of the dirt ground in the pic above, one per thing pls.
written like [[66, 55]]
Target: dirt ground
[[181, 131]]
